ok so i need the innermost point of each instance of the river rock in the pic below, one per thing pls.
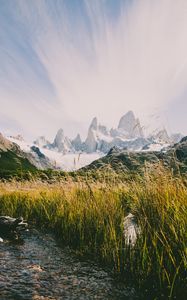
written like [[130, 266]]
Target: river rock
[[10, 226]]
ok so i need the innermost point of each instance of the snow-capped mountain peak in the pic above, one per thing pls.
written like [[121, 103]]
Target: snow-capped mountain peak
[[130, 126], [127, 121], [94, 124], [61, 142], [77, 143], [128, 135]]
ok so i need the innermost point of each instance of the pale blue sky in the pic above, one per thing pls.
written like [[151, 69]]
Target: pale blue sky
[[63, 62]]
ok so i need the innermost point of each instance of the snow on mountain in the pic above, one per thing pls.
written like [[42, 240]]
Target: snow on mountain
[[158, 140], [71, 161], [67, 154], [162, 136], [61, 143], [58, 160], [41, 141], [155, 147], [35, 156], [129, 134], [25, 146]]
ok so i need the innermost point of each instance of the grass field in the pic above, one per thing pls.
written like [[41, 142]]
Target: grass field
[[88, 216]]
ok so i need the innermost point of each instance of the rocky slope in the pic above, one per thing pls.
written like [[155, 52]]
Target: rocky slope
[[175, 157], [13, 159]]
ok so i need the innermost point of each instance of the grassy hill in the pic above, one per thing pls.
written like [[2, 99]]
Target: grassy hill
[[13, 161], [123, 161], [13, 164]]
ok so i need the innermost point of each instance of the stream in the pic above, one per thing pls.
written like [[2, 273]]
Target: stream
[[39, 269]]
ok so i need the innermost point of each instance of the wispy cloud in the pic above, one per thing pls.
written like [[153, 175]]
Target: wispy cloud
[[63, 62]]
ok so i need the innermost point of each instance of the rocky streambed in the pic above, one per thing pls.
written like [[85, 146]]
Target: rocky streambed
[[40, 269]]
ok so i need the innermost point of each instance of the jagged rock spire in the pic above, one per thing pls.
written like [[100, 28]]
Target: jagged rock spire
[[130, 125], [91, 140], [94, 124], [127, 121], [61, 142], [77, 143]]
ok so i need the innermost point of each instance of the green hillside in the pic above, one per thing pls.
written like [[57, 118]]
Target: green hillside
[[123, 161], [14, 164]]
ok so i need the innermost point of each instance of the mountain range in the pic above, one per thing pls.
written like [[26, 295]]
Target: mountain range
[[129, 134], [15, 162], [70, 154]]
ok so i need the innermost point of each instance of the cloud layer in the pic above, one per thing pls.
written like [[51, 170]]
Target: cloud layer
[[63, 62]]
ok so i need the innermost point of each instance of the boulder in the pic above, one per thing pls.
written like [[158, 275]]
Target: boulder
[[11, 227], [131, 230]]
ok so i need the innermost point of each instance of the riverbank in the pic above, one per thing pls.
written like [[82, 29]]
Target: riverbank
[[89, 218], [39, 269]]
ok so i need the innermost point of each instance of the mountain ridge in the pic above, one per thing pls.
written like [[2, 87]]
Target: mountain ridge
[[71, 154], [13, 158], [128, 134], [120, 160]]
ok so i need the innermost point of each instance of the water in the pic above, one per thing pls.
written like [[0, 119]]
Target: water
[[39, 269]]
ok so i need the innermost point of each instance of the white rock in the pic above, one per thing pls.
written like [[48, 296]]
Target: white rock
[[131, 230], [91, 141], [61, 142], [77, 143], [162, 136], [130, 125], [93, 124]]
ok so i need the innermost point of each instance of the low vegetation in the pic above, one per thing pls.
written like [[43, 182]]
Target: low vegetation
[[88, 216], [12, 165]]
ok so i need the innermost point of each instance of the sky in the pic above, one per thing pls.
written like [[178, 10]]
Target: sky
[[62, 62]]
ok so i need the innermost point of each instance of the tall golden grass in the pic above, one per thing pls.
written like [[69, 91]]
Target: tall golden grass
[[88, 216]]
